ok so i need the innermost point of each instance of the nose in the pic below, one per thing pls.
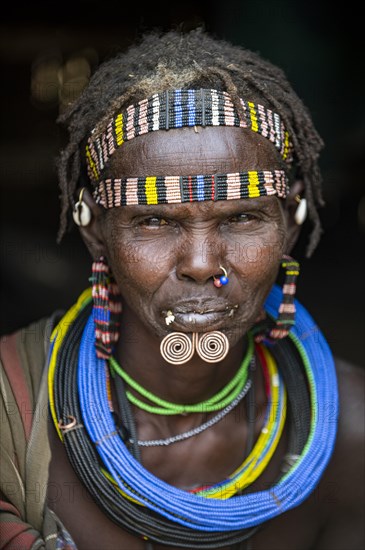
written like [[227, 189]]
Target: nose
[[199, 260]]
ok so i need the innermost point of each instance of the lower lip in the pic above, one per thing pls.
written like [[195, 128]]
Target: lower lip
[[195, 322]]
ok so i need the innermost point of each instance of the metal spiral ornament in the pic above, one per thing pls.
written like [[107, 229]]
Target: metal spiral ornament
[[177, 348], [212, 346]]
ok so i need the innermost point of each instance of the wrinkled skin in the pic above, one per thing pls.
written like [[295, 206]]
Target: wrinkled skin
[[164, 257]]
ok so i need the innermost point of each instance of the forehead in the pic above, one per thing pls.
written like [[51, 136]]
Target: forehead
[[191, 151]]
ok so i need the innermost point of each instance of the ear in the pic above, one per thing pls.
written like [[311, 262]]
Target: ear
[[92, 234], [291, 206]]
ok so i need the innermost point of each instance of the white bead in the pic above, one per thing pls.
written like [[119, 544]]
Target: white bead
[[301, 212], [81, 214], [170, 319]]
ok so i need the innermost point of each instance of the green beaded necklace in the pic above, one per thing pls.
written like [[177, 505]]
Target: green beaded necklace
[[218, 401]]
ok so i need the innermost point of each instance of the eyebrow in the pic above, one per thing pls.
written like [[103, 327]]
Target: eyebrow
[[184, 210]]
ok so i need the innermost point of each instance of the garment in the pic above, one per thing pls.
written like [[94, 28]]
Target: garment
[[26, 522]]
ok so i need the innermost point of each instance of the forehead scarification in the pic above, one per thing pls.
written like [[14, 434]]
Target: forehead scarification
[[185, 151]]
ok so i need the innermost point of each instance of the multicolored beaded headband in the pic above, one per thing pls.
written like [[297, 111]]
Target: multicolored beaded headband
[[183, 108], [110, 193]]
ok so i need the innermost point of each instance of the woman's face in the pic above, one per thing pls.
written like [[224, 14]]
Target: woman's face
[[164, 257]]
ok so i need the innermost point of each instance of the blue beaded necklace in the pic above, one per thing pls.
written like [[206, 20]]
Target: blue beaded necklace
[[194, 511]]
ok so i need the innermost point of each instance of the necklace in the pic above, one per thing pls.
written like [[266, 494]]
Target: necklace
[[198, 429], [218, 401], [267, 441], [116, 504], [265, 446], [184, 519], [179, 506]]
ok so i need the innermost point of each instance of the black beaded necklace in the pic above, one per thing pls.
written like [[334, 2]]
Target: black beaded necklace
[[136, 519]]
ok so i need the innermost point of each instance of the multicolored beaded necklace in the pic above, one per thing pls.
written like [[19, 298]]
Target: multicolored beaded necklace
[[129, 494]]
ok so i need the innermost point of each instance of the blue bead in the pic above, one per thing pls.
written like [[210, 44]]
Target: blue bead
[[224, 280]]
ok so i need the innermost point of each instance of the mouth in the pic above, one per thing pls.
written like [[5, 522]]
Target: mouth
[[198, 318]]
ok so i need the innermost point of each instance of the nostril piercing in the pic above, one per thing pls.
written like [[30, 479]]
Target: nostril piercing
[[222, 280]]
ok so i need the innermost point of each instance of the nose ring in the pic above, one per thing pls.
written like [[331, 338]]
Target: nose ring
[[222, 280]]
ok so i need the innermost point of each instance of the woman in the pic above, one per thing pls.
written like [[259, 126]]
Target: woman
[[186, 399]]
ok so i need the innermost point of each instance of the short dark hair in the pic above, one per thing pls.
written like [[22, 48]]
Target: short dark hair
[[195, 59]]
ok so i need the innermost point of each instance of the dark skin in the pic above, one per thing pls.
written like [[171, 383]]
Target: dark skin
[[166, 255]]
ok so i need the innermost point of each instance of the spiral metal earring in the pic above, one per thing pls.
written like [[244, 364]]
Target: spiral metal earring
[[177, 348], [212, 347]]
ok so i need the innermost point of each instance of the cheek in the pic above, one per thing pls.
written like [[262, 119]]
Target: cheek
[[256, 261], [139, 269], [259, 247]]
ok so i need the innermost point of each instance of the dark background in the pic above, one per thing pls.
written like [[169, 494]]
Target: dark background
[[47, 53]]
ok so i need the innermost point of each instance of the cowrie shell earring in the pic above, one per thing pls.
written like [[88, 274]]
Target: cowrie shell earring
[[301, 211], [81, 212]]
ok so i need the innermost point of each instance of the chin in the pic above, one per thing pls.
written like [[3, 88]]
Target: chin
[[237, 332]]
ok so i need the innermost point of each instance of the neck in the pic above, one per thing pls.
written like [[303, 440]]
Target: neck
[[138, 353]]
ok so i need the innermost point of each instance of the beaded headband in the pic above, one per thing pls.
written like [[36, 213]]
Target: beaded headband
[[183, 108], [176, 189]]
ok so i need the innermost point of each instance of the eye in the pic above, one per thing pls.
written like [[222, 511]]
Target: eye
[[243, 218], [153, 221]]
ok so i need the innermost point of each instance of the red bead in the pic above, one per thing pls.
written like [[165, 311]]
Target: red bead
[[217, 283]]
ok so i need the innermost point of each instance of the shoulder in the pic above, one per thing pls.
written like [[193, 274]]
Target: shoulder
[[351, 388], [350, 447], [342, 493], [23, 357], [347, 460], [23, 353]]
